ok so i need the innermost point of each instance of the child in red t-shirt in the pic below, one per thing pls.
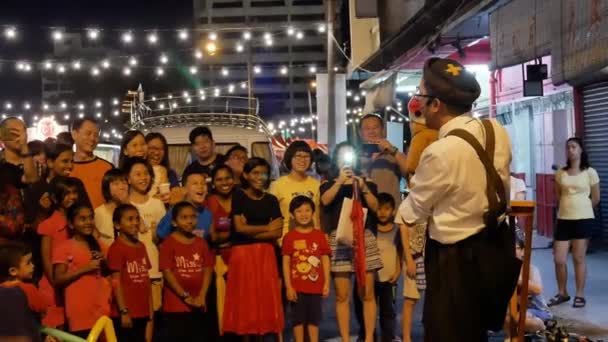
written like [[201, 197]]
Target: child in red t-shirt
[[16, 270], [305, 269], [54, 232], [186, 263], [129, 263], [81, 270]]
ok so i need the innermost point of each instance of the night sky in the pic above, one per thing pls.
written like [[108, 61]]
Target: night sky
[[32, 19]]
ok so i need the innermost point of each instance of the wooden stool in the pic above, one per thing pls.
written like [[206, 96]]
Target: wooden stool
[[521, 209]]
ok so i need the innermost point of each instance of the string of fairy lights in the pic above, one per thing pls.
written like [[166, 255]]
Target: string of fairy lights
[[205, 42]]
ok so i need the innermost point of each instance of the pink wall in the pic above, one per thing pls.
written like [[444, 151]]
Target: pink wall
[[510, 83]]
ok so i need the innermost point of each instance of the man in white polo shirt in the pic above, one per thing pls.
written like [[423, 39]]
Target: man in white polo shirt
[[449, 192]]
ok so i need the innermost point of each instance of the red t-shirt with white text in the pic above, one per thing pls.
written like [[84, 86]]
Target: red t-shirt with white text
[[133, 264], [186, 261], [306, 250]]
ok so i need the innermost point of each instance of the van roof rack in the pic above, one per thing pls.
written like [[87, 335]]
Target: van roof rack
[[232, 111]]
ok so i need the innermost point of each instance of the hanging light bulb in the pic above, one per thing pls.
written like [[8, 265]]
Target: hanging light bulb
[[116, 113], [57, 35], [127, 37], [98, 104], [213, 36], [63, 105], [185, 94], [290, 31], [239, 47], [10, 33], [283, 70], [216, 92], [60, 69], [164, 59], [105, 64], [300, 35], [198, 54], [225, 72], [76, 65], [321, 28], [48, 65], [160, 71], [257, 69], [132, 61], [182, 34], [27, 106], [231, 88], [95, 71], [126, 71], [45, 106], [244, 85], [247, 35], [312, 69], [152, 38], [93, 34], [193, 70]]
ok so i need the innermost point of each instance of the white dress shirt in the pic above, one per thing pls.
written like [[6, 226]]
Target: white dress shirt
[[449, 188]]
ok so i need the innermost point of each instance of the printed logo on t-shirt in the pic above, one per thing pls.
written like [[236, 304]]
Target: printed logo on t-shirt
[[305, 265], [187, 266], [138, 270]]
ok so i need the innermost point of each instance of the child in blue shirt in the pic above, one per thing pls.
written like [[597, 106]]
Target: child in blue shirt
[[195, 185]]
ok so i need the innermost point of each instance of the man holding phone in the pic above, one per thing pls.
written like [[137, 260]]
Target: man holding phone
[[18, 167], [380, 160]]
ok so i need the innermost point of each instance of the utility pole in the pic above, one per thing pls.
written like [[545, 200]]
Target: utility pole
[[331, 75]]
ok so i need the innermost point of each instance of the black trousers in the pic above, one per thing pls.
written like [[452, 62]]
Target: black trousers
[[469, 284], [185, 326], [385, 297], [137, 333]]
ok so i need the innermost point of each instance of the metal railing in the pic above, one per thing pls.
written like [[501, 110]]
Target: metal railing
[[230, 111]]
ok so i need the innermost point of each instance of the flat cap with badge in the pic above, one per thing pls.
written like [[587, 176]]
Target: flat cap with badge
[[447, 80]]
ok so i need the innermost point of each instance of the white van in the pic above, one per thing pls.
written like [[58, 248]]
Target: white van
[[228, 130]]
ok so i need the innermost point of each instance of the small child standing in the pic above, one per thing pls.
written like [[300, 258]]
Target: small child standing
[[80, 270], [389, 244], [187, 263], [305, 269], [115, 191], [17, 270], [129, 263]]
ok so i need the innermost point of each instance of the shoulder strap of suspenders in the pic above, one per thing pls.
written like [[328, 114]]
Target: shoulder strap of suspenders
[[495, 189]]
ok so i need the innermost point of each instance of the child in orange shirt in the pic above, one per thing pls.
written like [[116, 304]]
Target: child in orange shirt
[[186, 263], [80, 269], [64, 191]]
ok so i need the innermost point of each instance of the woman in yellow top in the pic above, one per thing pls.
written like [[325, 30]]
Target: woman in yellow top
[[298, 160], [578, 192]]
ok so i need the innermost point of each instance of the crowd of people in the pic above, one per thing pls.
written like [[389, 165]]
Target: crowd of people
[[224, 252]]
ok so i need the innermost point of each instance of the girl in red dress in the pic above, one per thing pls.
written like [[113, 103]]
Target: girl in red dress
[[253, 293]]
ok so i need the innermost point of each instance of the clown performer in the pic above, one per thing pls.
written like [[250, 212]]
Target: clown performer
[[413, 239]]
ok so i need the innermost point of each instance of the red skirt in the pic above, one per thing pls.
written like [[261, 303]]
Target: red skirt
[[253, 293]]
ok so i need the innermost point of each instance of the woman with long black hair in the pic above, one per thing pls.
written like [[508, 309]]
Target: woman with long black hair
[[578, 192]]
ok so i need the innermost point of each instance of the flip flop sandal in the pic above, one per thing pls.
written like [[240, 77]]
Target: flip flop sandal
[[579, 302], [558, 299]]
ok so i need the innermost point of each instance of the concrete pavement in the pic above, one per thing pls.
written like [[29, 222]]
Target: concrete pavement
[[590, 321]]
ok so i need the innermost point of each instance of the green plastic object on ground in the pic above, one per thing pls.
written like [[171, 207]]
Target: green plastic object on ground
[[64, 336]]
